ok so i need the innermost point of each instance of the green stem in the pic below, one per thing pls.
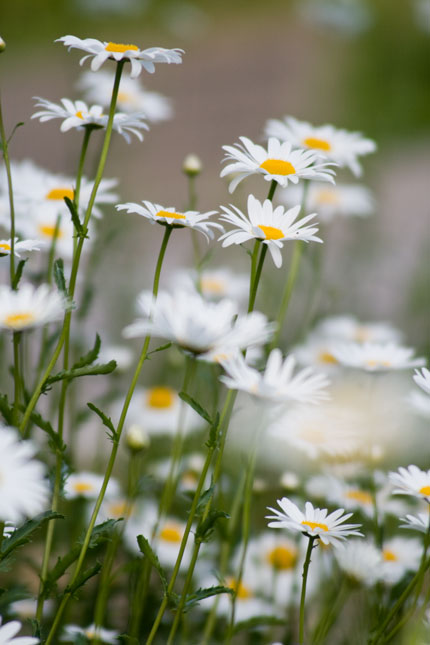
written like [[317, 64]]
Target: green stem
[[272, 189], [17, 378], [257, 277], [303, 594], [5, 147], [84, 148]]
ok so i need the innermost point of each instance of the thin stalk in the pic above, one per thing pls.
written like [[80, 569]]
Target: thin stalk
[[257, 277], [192, 201], [303, 594], [254, 261], [5, 147], [67, 595], [16, 377]]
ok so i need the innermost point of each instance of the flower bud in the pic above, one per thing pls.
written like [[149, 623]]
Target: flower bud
[[2, 45], [137, 438], [192, 165]]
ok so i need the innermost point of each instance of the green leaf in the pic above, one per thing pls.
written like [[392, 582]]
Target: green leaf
[[204, 498], [59, 278], [25, 532], [18, 273], [147, 550], [100, 533], [6, 409], [258, 621], [205, 529], [80, 231], [159, 349], [83, 578], [55, 440], [12, 595], [213, 433], [107, 421], [194, 598], [88, 370], [18, 125], [90, 356], [196, 406]]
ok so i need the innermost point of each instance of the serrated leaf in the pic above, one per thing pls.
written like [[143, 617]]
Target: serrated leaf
[[257, 621], [59, 278], [55, 440], [213, 433], [80, 231], [147, 550], [18, 273], [100, 533], [90, 356], [88, 370], [83, 578], [204, 498], [23, 534], [205, 529], [194, 598], [196, 406], [107, 421]]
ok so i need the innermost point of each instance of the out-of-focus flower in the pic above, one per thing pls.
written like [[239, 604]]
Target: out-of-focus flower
[[123, 356], [88, 485], [399, 556], [422, 379], [272, 225], [101, 51], [361, 561], [162, 215], [9, 630], [276, 383], [418, 522], [340, 146], [19, 246], [24, 490], [279, 162], [132, 97], [376, 357], [411, 481], [349, 328], [343, 200], [314, 522], [192, 165], [71, 632], [214, 284], [29, 307]]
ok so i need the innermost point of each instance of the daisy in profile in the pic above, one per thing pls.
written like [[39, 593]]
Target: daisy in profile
[[277, 383], [19, 246], [340, 146], [24, 490], [422, 379], [361, 561], [168, 216], [342, 200], [8, 631], [411, 481], [100, 51], [400, 555], [278, 162], [314, 522], [88, 485], [78, 115], [418, 522], [205, 329], [272, 225], [29, 307], [214, 284], [73, 632], [348, 328], [132, 96], [376, 357]]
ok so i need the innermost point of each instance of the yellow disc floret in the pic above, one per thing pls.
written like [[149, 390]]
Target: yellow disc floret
[[171, 533], [160, 397], [315, 525], [319, 144], [60, 193], [170, 215], [119, 48], [282, 558], [278, 167], [271, 233]]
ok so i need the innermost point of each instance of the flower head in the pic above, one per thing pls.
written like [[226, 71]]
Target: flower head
[[418, 522], [273, 226], [169, 216], [328, 142], [29, 307], [421, 378], [9, 630], [277, 383], [411, 481], [376, 357], [19, 247], [71, 633], [101, 51], [314, 522], [361, 561], [279, 162], [88, 485]]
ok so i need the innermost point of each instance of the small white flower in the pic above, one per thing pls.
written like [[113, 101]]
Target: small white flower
[[314, 522], [101, 51], [422, 379], [79, 115], [272, 225], [162, 215], [19, 246], [361, 561], [214, 284], [9, 630], [399, 556], [350, 329], [279, 162], [24, 490], [91, 632], [277, 383], [88, 485], [29, 307], [411, 481], [342, 200], [123, 356], [418, 522], [328, 142], [376, 357]]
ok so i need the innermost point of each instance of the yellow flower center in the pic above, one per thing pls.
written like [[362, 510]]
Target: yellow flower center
[[271, 233], [79, 114], [16, 321], [160, 397], [82, 487], [362, 334], [389, 556], [119, 509], [241, 590], [372, 362], [48, 231], [171, 533], [211, 285], [60, 193], [425, 490], [327, 357], [282, 558], [315, 525], [360, 496], [278, 167], [320, 144], [120, 48], [170, 215], [327, 196], [189, 478], [124, 97], [5, 246]]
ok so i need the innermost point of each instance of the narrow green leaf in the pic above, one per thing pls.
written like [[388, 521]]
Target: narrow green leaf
[[205, 529], [107, 421], [88, 370], [194, 598], [18, 273], [147, 550], [59, 278], [159, 349], [25, 532], [83, 578], [80, 231], [257, 621], [90, 356], [55, 441], [196, 406], [6, 409]]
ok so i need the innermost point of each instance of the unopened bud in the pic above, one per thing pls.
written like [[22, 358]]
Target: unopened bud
[[137, 438], [2, 45], [192, 165], [289, 480]]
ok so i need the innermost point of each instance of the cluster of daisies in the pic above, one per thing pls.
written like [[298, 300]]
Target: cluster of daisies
[[317, 424]]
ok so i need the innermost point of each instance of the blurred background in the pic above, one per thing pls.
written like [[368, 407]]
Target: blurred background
[[358, 64]]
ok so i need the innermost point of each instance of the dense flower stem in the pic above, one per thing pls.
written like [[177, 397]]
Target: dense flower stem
[[257, 276], [303, 594], [5, 149], [109, 468]]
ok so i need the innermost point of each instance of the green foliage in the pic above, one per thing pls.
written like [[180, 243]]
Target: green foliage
[[81, 232], [194, 598], [23, 535], [59, 278], [18, 273], [149, 553], [88, 370], [196, 406], [107, 421]]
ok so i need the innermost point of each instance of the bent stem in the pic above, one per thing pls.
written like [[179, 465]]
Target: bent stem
[[303, 594]]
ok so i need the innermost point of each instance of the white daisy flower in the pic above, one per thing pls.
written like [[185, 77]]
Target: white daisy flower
[[71, 632], [29, 307], [203, 328], [123, 356], [279, 162], [24, 491], [101, 51], [169, 216], [9, 630], [340, 146], [27, 607], [314, 522], [317, 351], [342, 200], [78, 115], [421, 378], [276, 383], [132, 96], [418, 522], [214, 284], [19, 246], [399, 556], [348, 328], [88, 485], [411, 481], [376, 357], [272, 225], [361, 561]]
